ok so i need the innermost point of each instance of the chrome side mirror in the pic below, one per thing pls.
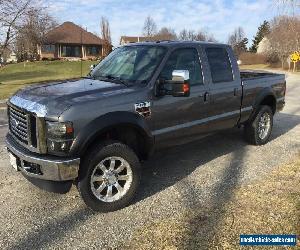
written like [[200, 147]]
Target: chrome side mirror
[[93, 66], [181, 83]]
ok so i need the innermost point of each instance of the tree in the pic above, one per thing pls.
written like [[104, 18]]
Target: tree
[[106, 36], [150, 27], [191, 35], [284, 37], [287, 7], [31, 33], [166, 34], [263, 30], [12, 13], [238, 41]]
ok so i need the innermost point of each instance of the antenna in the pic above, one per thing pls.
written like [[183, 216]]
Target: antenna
[[81, 54]]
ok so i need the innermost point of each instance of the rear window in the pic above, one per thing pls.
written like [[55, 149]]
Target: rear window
[[220, 66]]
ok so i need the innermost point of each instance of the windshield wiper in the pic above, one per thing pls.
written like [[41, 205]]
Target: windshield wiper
[[110, 77]]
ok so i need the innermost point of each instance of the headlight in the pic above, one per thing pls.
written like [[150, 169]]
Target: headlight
[[59, 136], [59, 130]]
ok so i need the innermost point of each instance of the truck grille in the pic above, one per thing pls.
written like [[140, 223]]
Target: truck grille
[[18, 124]]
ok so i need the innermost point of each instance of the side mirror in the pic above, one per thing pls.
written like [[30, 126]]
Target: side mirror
[[180, 83], [93, 66]]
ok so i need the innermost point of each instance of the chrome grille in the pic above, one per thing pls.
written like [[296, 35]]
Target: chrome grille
[[18, 124]]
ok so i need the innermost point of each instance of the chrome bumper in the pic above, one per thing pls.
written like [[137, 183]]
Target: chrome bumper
[[42, 166]]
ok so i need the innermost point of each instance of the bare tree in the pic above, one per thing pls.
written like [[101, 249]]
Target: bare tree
[[31, 34], [150, 27], [238, 41], [12, 13], [287, 7], [284, 38], [166, 34], [106, 36], [191, 35]]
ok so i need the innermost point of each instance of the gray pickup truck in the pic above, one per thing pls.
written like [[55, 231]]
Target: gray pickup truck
[[95, 131]]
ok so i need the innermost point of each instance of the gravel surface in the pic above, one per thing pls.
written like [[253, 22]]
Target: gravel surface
[[199, 175]]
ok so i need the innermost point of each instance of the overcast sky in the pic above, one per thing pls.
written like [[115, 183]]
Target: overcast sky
[[127, 17]]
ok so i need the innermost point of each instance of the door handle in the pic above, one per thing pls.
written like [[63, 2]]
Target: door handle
[[235, 91], [206, 97]]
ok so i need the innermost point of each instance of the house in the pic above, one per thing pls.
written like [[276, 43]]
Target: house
[[263, 46], [134, 39], [8, 56], [70, 41]]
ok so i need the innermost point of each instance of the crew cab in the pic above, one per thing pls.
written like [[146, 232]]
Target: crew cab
[[96, 131]]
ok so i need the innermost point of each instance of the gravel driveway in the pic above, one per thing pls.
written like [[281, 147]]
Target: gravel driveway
[[199, 175]]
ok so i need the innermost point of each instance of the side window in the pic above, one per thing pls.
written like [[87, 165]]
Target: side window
[[184, 59], [220, 66]]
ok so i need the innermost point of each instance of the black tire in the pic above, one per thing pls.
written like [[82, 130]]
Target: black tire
[[251, 129], [98, 154]]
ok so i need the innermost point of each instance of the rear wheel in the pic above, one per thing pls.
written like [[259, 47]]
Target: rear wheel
[[258, 130], [109, 177]]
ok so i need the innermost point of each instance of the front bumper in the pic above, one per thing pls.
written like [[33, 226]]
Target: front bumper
[[43, 166]]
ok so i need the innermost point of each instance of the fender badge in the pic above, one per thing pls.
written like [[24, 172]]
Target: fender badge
[[143, 108]]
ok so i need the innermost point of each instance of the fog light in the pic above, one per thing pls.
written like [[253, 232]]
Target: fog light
[[52, 146], [63, 146], [59, 146]]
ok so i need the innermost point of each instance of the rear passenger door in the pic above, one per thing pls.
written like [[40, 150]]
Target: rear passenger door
[[225, 88]]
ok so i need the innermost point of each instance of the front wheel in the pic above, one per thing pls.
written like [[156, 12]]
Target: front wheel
[[258, 130], [109, 177]]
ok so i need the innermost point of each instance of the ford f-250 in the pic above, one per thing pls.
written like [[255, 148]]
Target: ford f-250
[[95, 131]]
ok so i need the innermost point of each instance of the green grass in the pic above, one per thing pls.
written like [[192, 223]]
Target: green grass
[[16, 76]]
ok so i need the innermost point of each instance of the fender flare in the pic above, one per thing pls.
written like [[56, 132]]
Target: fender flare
[[105, 122], [264, 93]]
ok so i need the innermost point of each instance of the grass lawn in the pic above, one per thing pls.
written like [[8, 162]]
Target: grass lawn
[[16, 76]]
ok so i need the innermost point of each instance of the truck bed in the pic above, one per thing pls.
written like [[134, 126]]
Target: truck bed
[[247, 75]]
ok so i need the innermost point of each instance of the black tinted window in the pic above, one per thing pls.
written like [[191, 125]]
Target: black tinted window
[[184, 59], [220, 65]]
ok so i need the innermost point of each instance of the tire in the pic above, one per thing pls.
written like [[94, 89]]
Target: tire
[[253, 129], [103, 190]]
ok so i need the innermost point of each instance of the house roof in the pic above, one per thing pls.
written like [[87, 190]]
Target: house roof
[[134, 39], [71, 33]]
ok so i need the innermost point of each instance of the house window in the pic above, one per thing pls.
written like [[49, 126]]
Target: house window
[[70, 51], [93, 50], [48, 48]]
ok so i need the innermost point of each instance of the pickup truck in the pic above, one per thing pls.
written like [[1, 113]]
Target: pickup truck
[[94, 132]]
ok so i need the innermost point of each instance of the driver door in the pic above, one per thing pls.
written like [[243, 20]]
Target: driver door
[[181, 116]]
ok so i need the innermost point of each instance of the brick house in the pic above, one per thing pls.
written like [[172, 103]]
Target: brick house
[[70, 41]]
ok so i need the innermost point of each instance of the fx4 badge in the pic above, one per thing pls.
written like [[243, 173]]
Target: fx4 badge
[[143, 108]]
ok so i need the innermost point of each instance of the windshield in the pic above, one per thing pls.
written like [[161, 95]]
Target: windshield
[[132, 64]]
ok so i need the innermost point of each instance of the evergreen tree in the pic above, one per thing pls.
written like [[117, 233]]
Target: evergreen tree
[[263, 30]]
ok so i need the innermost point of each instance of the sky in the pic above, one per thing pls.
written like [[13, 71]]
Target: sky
[[126, 17]]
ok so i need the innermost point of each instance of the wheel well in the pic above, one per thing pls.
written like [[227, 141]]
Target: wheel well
[[269, 101], [126, 134]]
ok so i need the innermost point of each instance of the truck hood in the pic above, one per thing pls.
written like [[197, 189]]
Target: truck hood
[[54, 98]]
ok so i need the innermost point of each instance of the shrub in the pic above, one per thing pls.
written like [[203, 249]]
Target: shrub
[[249, 58]]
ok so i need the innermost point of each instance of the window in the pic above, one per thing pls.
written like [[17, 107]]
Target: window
[[93, 50], [135, 64], [48, 48], [220, 66], [70, 51], [184, 59]]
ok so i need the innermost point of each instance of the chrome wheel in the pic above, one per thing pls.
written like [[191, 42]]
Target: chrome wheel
[[111, 179], [264, 125]]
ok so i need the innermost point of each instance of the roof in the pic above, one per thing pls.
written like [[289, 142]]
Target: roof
[[176, 43], [71, 33], [134, 39]]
